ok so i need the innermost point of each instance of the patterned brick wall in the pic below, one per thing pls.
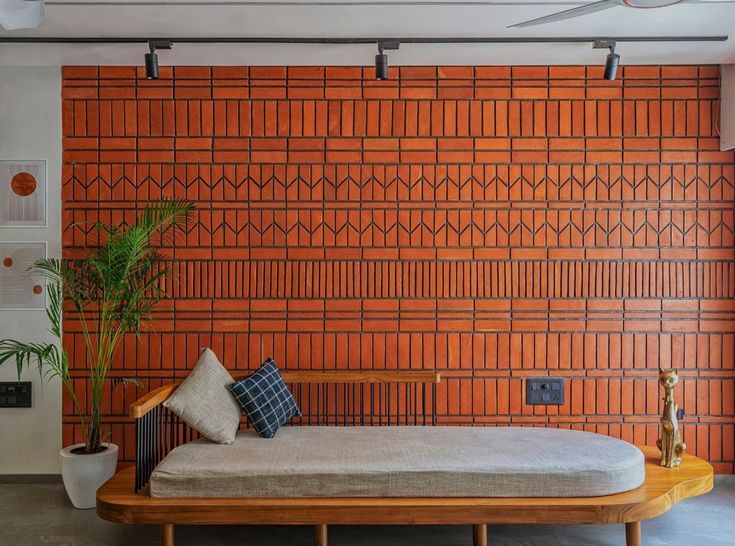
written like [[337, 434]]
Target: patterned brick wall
[[492, 223]]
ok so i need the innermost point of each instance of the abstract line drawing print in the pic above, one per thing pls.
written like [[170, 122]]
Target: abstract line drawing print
[[20, 289], [23, 192]]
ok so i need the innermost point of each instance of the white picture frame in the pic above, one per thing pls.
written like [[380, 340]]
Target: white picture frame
[[23, 193], [21, 290]]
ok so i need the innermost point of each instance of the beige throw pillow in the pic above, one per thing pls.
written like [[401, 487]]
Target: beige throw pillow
[[205, 402]]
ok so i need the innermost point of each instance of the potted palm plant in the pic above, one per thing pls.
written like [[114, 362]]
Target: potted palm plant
[[113, 291]]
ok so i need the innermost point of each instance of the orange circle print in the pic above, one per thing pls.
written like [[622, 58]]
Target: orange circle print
[[23, 184]]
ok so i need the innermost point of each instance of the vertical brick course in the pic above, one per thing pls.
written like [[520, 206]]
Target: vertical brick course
[[492, 223]]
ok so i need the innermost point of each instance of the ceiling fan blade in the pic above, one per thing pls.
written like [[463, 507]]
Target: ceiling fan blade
[[570, 13], [21, 14]]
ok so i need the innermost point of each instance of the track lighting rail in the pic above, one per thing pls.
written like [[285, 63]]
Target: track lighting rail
[[352, 41], [384, 44]]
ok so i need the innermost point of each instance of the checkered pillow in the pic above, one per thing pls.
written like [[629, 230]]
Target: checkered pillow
[[265, 399]]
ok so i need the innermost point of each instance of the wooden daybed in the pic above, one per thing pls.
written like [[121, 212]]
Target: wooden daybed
[[355, 398]]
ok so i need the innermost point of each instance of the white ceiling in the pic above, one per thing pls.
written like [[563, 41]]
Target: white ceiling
[[385, 18]]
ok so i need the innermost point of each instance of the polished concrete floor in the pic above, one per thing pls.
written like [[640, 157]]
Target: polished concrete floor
[[40, 514]]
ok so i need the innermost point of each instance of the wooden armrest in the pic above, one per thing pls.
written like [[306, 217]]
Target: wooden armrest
[[150, 400]]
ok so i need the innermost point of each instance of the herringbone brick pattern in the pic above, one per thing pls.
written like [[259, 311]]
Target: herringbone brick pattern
[[491, 223]]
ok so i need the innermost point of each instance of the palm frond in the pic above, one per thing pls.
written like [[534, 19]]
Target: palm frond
[[44, 355], [78, 282], [114, 290], [55, 291], [166, 213]]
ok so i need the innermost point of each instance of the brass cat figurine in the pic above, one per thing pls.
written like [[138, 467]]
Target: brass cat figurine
[[671, 445]]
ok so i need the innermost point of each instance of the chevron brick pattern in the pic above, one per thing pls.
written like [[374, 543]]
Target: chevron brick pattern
[[490, 223]]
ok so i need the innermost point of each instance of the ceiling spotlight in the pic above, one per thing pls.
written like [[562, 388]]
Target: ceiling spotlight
[[381, 59], [611, 64], [151, 59], [613, 59]]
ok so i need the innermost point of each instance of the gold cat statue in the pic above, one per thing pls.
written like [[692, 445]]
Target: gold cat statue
[[671, 445]]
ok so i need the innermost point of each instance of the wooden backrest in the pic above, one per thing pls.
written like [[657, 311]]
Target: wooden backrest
[[351, 398], [157, 396]]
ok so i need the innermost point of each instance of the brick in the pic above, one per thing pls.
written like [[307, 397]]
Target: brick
[[491, 223]]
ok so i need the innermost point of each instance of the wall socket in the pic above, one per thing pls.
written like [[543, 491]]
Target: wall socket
[[545, 391], [15, 394]]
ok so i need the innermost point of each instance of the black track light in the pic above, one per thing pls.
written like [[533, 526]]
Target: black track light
[[613, 59], [151, 59], [151, 65], [381, 66], [381, 59], [611, 65]]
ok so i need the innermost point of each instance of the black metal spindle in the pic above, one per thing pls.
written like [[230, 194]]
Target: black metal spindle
[[161, 434], [146, 443], [325, 405], [143, 442], [336, 404], [300, 393], [388, 396], [156, 435], [423, 403], [407, 403], [138, 457], [152, 440], [416, 404], [153, 446], [172, 431], [372, 403], [345, 403], [380, 404], [162, 451], [318, 404]]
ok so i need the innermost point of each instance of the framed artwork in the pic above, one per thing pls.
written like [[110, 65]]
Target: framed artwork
[[19, 288], [23, 192]]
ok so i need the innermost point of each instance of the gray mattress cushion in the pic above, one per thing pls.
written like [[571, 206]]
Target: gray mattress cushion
[[402, 462]]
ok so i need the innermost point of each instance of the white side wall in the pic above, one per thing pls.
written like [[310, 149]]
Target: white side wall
[[727, 109], [30, 128]]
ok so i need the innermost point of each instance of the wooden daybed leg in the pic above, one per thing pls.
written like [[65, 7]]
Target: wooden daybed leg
[[479, 534], [633, 533], [167, 534], [320, 535]]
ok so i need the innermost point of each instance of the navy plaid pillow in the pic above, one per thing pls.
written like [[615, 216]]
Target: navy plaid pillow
[[265, 399]]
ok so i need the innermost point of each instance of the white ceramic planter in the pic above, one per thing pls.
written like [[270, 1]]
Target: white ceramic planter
[[84, 474]]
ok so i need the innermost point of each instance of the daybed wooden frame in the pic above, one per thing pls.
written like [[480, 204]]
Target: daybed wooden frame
[[118, 501]]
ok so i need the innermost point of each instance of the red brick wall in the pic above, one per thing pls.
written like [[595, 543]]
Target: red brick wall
[[491, 223]]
